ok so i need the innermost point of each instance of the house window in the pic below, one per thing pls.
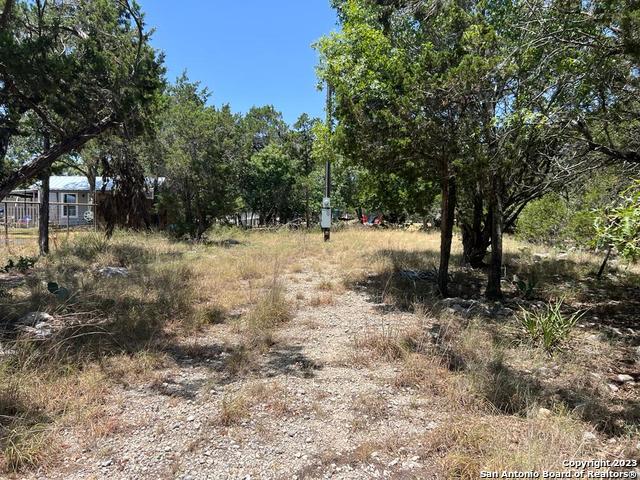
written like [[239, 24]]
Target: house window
[[70, 207]]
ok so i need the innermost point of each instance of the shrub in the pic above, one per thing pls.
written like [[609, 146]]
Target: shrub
[[543, 220], [548, 326], [234, 409], [581, 228], [22, 265], [621, 226]]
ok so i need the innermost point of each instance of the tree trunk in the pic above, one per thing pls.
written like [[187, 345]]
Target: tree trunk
[[307, 207], [6, 14], [91, 177], [475, 244], [37, 165], [476, 235], [448, 186], [43, 214], [4, 144], [494, 290], [43, 217]]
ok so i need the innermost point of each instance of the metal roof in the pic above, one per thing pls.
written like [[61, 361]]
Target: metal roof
[[80, 183]]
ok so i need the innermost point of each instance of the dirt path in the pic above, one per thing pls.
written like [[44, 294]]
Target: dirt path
[[311, 408]]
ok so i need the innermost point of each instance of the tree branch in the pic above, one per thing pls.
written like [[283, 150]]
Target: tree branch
[[45, 160]]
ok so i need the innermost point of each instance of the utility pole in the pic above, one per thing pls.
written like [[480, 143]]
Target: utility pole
[[325, 221]]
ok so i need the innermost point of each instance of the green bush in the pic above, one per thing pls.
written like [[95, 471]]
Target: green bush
[[620, 226], [581, 228], [556, 220], [543, 220]]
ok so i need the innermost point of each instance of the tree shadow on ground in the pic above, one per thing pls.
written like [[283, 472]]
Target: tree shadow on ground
[[232, 363], [612, 303], [513, 391]]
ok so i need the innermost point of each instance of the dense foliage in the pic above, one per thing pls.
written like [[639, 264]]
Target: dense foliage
[[498, 102], [70, 71], [508, 114], [620, 227]]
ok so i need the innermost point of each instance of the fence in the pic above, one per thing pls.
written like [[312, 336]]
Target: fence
[[19, 219]]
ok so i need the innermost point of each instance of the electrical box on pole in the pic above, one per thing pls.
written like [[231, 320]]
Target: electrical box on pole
[[325, 220]]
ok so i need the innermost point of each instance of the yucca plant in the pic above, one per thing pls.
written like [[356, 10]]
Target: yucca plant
[[548, 326]]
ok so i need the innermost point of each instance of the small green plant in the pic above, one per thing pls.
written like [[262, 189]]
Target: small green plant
[[548, 326], [22, 265], [527, 287]]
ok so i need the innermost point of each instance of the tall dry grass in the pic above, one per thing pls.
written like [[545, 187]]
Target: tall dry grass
[[116, 329]]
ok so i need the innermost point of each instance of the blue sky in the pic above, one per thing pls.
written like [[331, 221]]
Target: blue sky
[[248, 52]]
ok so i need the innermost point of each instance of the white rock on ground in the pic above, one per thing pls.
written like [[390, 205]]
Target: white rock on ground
[[41, 331], [31, 319], [113, 272]]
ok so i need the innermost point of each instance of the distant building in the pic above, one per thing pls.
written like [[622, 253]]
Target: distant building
[[71, 201]]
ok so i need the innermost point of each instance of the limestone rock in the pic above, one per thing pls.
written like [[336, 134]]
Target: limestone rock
[[544, 412], [31, 319], [41, 331], [110, 272]]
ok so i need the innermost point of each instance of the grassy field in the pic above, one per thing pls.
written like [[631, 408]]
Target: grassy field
[[510, 403]]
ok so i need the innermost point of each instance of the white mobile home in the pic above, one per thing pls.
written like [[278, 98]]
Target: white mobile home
[[72, 202]]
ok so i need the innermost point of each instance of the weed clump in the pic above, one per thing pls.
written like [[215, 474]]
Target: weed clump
[[548, 326]]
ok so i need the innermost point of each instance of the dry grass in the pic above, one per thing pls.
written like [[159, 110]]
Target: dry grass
[[270, 311], [424, 373], [367, 408], [326, 285], [233, 410], [388, 343], [117, 330], [270, 397], [496, 443], [324, 300]]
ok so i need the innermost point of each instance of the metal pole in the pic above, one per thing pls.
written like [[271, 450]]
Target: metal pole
[[326, 202], [327, 196], [6, 224]]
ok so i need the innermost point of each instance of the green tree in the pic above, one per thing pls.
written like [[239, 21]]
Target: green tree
[[395, 106], [453, 92], [269, 182], [81, 68], [202, 147], [592, 49], [300, 145]]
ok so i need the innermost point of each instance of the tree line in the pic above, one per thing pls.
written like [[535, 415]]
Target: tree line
[[83, 90], [498, 101], [486, 107]]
